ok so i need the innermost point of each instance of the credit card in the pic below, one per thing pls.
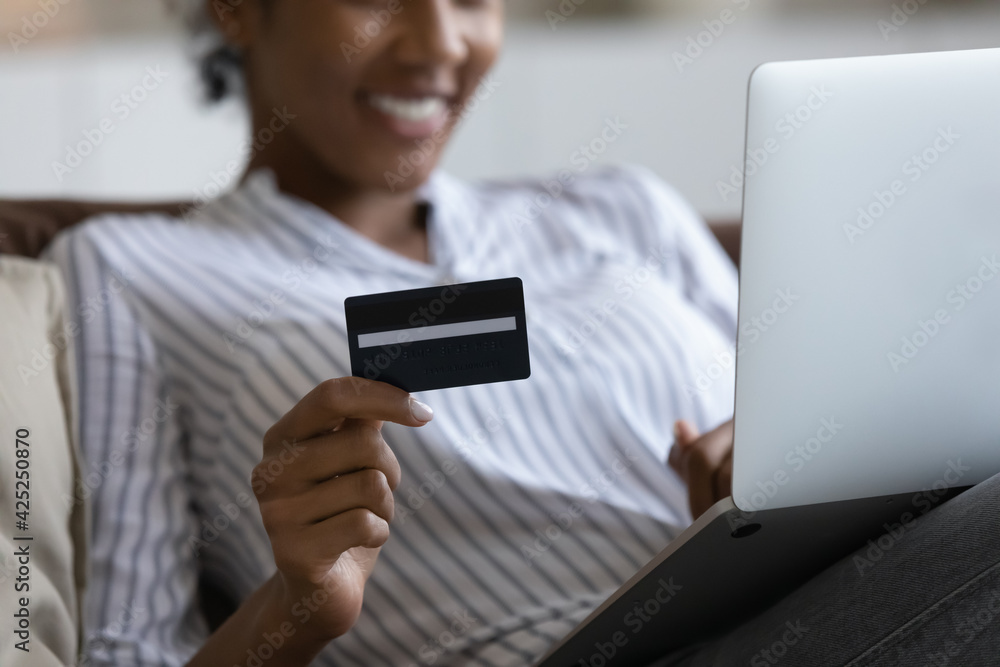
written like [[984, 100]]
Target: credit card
[[437, 337]]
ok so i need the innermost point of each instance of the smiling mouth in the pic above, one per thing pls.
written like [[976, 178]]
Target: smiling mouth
[[410, 116], [411, 110]]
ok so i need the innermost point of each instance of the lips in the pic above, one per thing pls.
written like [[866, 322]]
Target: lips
[[410, 116]]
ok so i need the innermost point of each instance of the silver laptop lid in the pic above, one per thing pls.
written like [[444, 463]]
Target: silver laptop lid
[[869, 318]]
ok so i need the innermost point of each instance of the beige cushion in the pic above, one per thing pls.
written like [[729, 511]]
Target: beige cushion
[[36, 394]]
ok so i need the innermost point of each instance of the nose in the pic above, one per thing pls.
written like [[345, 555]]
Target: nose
[[432, 34]]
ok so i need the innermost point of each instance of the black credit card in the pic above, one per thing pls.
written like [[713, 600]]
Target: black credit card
[[436, 337]]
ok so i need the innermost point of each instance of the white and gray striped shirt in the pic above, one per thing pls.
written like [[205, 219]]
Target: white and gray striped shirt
[[522, 505]]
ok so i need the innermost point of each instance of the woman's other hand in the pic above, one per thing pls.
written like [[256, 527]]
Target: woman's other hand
[[704, 462]]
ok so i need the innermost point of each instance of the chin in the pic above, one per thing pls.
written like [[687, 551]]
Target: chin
[[403, 172]]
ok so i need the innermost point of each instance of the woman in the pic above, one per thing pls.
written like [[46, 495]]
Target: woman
[[231, 446]]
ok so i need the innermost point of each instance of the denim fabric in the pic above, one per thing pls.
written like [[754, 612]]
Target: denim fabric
[[926, 594]]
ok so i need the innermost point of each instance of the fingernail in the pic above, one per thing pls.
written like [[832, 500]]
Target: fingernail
[[420, 411]]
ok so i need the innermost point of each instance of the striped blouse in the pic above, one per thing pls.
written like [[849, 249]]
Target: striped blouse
[[522, 504]]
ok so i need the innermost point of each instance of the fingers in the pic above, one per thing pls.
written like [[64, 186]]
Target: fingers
[[704, 463], [357, 507], [316, 548], [332, 401], [336, 535], [324, 484], [357, 445], [366, 489], [349, 468], [685, 434]]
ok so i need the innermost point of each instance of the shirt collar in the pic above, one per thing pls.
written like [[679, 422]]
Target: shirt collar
[[312, 224]]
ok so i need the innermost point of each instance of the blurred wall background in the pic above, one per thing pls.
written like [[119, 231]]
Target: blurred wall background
[[671, 72]]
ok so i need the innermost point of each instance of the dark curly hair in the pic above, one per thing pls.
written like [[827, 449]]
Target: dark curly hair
[[220, 65]]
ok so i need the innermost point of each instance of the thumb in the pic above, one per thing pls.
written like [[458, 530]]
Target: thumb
[[685, 434]]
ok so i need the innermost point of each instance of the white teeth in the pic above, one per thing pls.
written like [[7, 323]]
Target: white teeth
[[409, 110]]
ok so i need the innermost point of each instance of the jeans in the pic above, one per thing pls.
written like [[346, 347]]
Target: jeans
[[931, 597]]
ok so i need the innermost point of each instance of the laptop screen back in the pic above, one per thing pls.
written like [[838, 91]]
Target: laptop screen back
[[869, 319]]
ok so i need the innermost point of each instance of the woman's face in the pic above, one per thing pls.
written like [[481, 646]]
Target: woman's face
[[368, 81]]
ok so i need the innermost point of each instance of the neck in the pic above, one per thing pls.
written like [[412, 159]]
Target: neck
[[391, 219]]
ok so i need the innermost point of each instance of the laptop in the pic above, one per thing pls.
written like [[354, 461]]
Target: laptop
[[868, 352]]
